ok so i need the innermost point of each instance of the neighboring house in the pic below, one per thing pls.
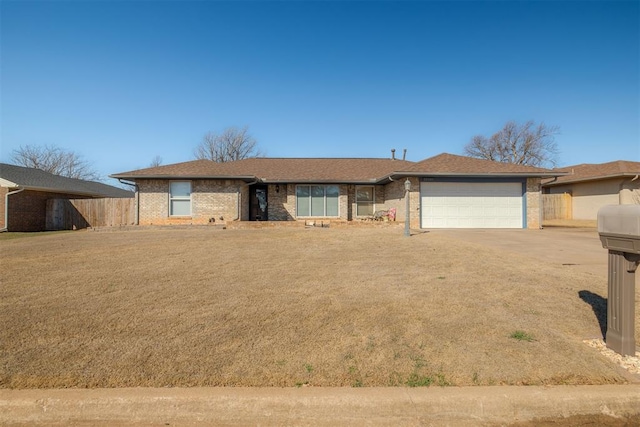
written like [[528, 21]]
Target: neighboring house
[[24, 193], [592, 186], [447, 191]]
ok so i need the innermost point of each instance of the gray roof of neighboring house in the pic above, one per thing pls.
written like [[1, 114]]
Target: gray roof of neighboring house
[[337, 170], [592, 172], [36, 179]]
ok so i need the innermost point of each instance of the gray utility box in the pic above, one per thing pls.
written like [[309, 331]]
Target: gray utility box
[[619, 230]]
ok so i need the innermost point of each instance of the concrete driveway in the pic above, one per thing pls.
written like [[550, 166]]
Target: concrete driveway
[[575, 248]]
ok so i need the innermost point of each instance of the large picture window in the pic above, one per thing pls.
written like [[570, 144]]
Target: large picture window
[[317, 200], [180, 198], [365, 200]]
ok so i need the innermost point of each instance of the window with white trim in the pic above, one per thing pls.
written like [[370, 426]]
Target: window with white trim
[[317, 200], [365, 200], [180, 198]]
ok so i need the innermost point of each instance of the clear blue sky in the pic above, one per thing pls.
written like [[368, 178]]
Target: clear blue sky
[[121, 82]]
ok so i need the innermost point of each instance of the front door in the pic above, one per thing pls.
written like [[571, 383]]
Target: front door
[[258, 204]]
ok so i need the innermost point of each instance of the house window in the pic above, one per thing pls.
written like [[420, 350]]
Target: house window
[[365, 200], [180, 198], [317, 200]]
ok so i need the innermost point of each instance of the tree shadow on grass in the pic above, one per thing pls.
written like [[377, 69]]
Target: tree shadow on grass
[[599, 307]]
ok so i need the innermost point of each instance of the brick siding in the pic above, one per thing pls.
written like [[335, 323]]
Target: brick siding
[[212, 201], [218, 200], [28, 209], [534, 200]]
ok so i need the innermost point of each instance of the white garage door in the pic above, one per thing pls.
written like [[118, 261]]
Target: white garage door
[[471, 204]]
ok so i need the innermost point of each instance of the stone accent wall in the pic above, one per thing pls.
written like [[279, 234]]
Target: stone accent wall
[[212, 201], [534, 202]]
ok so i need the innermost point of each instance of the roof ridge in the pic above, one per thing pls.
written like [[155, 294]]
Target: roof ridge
[[323, 158]]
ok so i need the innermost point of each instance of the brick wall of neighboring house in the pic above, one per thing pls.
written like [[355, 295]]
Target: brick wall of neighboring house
[[534, 200], [28, 209], [211, 201]]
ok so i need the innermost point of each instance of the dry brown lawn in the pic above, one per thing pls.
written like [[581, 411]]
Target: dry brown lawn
[[285, 307]]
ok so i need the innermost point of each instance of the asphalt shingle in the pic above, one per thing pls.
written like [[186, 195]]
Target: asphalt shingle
[[36, 179], [347, 170], [590, 172]]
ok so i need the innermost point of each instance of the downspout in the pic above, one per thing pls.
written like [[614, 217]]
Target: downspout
[[239, 198], [6, 208], [137, 199], [540, 207], [620, 197]]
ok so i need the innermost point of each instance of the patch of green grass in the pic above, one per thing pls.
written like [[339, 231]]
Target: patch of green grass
[[522, 336], [308, 367], [442, 381], [475, 379], [357, 383], [416, 380], [441, 277], [11, 235]]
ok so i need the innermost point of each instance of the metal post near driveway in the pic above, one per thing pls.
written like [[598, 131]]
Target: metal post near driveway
[[407, 189]]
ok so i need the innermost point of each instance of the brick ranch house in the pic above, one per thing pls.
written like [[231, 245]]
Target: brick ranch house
[[24, 193], [592, 186], [447, 191]]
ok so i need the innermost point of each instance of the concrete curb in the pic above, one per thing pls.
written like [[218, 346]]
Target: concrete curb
[[446, 406]]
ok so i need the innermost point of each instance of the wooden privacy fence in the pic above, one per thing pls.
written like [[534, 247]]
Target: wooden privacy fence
[[556, 206], [73, 214]]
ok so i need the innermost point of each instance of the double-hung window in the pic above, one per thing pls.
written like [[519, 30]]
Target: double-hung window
[[180, 198], [317, 200], [365, 200]]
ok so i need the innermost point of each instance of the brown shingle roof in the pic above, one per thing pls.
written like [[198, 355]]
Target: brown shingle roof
[[590, 172], [451, 164], [348, 170]]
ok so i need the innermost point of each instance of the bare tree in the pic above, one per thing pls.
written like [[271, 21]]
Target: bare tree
[[54, 160], [522, 144], [155, 162], [232, 144]]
